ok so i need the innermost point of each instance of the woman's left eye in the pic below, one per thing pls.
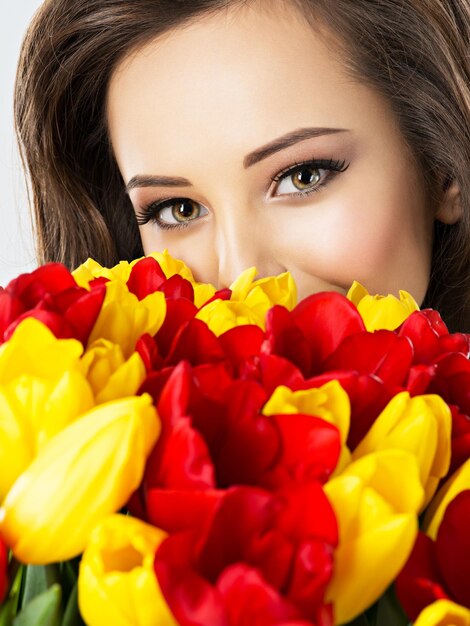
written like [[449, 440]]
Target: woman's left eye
[[304, 178]]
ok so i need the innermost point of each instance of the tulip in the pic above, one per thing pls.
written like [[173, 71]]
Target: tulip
[[443, 613], [109, 374], [124, 318], [326, 320], [11, 307], [261, 558], [121, 272], [421, 425], [329, 402], [91, 269], [16, 449], [382, 312], [260, 295], [249, 302], [223, 315], [42, 391], [430, 337], [376, 500], [3, 570], [83, 474], [117, 583], [33, 411], [33, 350], [439, 569], [171, 267], [459, 481], [51, 295]]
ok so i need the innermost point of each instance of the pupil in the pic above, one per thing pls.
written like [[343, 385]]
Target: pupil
[[307, 176], [185, 209]]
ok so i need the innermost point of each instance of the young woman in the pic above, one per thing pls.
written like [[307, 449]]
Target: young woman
[[330, 139]]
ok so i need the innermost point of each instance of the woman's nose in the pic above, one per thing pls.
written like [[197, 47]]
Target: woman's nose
[[240, 244]]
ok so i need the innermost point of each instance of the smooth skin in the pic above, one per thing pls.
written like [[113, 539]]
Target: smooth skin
[[193, 103]]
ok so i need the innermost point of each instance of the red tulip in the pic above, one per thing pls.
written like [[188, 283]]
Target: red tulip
[[430, 337], [51, 295], [11, 307], [215, 436], [326, 319], [145, 278], [3, 571], [33, 287], [266, 555], [460, 439], [439, 569], [381, 354]]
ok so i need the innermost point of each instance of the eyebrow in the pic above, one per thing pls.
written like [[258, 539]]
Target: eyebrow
[[253, 157]]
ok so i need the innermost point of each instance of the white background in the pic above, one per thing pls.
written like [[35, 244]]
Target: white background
[[17, 253]]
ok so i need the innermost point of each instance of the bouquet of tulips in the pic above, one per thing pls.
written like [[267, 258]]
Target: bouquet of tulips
[[173, 454]]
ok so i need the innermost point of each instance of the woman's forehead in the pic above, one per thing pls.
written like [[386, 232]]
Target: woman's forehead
[[239, 82]]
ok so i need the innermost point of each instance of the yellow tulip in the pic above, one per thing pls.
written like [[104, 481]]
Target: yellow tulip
[[32, 411], [121, 272], [33, 350], [109, 374], [41, 392], [124, 318], [91, 269], [260, 295], [87, 471], [249, 302], [171, 265], [382, 312], [443, 613], [459, 481], [376, 500], [117, 583], [16, 443], [329, 402], [222, 315], [422, 425], [243, 283], [266, 292]]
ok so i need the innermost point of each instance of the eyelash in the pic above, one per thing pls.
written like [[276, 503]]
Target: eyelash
[[150, 212]]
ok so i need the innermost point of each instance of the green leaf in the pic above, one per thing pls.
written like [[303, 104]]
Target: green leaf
[[68, 578], [44, 610], [72, 614], [37, 579], [7, 612]]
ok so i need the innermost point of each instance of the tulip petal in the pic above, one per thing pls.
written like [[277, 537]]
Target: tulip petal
[[84, 473], [117, 583], [444, 613], [376, 500], [421, 425], [459, 481], [368, 559], [453, 548]]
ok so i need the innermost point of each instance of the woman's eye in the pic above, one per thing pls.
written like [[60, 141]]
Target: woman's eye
[[181, 211], [174, 213], [301, 179], [304, 178]]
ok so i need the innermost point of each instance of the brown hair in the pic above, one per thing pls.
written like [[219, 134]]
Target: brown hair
[[414, 52]]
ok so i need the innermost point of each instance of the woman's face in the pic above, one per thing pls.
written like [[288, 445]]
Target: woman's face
[[242, 141]]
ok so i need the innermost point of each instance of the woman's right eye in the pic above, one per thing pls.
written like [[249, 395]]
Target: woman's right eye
[[174, 213]]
